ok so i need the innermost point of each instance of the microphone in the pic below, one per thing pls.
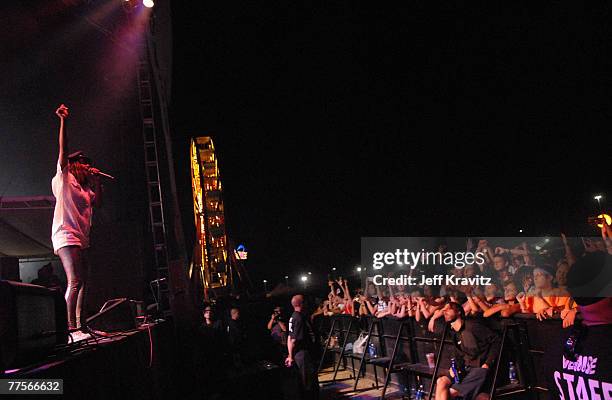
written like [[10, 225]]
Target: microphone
[[159, 280], [101, 174], [106, 175]]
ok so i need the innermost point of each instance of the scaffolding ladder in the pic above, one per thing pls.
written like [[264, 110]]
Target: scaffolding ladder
[[160, 285]]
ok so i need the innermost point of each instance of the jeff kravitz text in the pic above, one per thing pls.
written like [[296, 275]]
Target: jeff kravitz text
[[435, 280]]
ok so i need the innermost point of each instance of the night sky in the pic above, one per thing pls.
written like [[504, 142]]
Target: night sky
[[333, 122]]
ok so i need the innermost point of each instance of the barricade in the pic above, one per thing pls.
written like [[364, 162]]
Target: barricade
[[403, 353]]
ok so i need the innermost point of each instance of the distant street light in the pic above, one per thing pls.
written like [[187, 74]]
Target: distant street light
[[598, 198]]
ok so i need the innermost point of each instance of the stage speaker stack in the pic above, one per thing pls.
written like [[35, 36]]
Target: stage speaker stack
[[33, 321], [116, 315], [9, 269]]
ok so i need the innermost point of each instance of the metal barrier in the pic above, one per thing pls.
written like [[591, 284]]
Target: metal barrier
[[523, 341]]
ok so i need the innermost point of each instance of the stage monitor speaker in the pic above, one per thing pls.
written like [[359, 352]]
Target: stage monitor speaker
[[33, 320], [116, 315], [9, 269]]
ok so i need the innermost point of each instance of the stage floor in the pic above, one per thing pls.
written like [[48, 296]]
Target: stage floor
[[136, 364]]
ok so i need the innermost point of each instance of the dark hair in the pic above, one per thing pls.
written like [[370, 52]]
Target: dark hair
[[457, 308], [504, 256], [510, 282]]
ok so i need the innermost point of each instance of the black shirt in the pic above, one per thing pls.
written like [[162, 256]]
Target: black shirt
[[589, 377], [475, 344], [236, 334], [301, 330]]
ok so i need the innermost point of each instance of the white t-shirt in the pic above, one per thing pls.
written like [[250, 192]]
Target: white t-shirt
[[73, 211]]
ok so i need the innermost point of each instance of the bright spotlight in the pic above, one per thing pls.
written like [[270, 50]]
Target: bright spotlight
[[148, 3], [265, 281], [598, 197], [358, 269], [304, 278]]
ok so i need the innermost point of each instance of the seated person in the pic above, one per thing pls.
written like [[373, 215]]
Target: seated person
[[475, 349]]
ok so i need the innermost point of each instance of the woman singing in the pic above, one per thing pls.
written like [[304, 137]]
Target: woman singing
[[76, 188]]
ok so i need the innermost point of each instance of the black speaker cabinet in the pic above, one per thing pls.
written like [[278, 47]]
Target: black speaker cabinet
[[116, 315], [32, 321], [9, 269]]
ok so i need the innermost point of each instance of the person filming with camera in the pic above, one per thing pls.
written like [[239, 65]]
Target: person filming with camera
[[278, 330]]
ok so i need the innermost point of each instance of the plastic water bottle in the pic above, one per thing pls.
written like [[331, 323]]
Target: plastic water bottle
[[453, 365], [372, 350], [512, 373], [420, 393]]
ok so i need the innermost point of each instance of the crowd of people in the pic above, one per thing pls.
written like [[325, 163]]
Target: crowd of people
[[524, 280], [521, 280]]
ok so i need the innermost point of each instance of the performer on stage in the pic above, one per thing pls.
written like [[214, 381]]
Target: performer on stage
[[77, 190]]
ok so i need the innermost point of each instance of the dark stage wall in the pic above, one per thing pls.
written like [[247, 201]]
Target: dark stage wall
[[85, 57]]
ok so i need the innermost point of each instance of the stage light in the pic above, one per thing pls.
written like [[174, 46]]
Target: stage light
[[358, 269], [334, 268], [304, 278], [520, 231], [286, 277], [598, 197], [265, 281], [604, 217], [148, 3], [310, 273]]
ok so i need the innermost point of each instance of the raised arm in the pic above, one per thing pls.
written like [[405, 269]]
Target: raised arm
[[343, 283], [372, 309], [62, 113], [606, 235], [569, 255]]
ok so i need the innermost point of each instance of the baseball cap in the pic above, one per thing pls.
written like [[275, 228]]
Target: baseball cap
[[77, 156]]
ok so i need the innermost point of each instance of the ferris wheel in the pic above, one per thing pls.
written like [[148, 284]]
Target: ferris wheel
[[211, 259]]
